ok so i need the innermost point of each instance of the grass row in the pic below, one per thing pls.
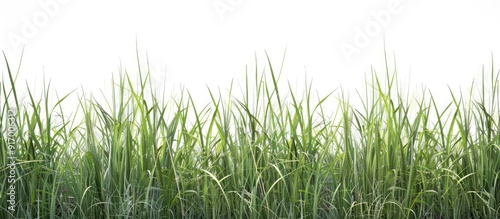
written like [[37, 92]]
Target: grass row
[[269, 154]]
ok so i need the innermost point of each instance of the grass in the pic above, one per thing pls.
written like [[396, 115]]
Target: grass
[[270, 153]]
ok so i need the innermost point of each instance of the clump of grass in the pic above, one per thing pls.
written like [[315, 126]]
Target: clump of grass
[[268, 154]]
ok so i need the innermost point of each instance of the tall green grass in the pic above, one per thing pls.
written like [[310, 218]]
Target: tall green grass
[[269, 153]]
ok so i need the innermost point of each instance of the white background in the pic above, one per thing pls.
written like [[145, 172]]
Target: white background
[[79, 44]]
